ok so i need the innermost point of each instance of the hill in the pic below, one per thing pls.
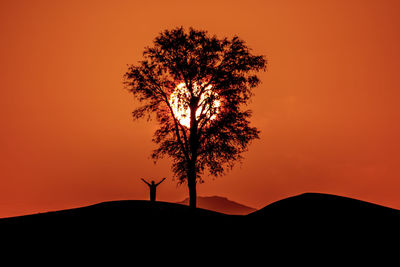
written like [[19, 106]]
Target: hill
[[221, 204], [317, 213], [134, 231], [114, 212], [304, 217], [317, 205]]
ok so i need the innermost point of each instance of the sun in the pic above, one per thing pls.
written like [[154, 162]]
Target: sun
[[181, 109]]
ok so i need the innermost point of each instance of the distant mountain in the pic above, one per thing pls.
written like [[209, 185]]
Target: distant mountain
[[220, 204]]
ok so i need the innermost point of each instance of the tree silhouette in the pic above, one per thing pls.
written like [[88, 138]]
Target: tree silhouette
[[197, 86]]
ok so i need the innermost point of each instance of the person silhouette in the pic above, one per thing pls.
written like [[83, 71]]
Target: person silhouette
[[153, 188]]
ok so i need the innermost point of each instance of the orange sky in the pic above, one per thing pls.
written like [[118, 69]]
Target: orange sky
[[327, 107]]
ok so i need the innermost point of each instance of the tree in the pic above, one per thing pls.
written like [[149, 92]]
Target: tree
[[197, 85]]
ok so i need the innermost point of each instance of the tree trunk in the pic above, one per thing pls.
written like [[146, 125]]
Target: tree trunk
[[192, 189], [193, 143]]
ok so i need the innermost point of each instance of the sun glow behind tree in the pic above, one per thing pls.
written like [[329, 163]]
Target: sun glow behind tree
[[206, 108]]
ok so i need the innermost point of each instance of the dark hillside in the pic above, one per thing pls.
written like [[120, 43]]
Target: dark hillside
[[304, 217], [124, 211], [316, 205], [315, 214]]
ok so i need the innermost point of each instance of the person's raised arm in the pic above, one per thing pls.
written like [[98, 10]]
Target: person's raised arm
[[160, 181], [145, 182]]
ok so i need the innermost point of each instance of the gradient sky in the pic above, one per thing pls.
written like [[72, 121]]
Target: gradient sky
[[327, 106]]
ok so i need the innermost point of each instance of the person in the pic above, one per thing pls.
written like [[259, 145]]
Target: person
[[153, 188]]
